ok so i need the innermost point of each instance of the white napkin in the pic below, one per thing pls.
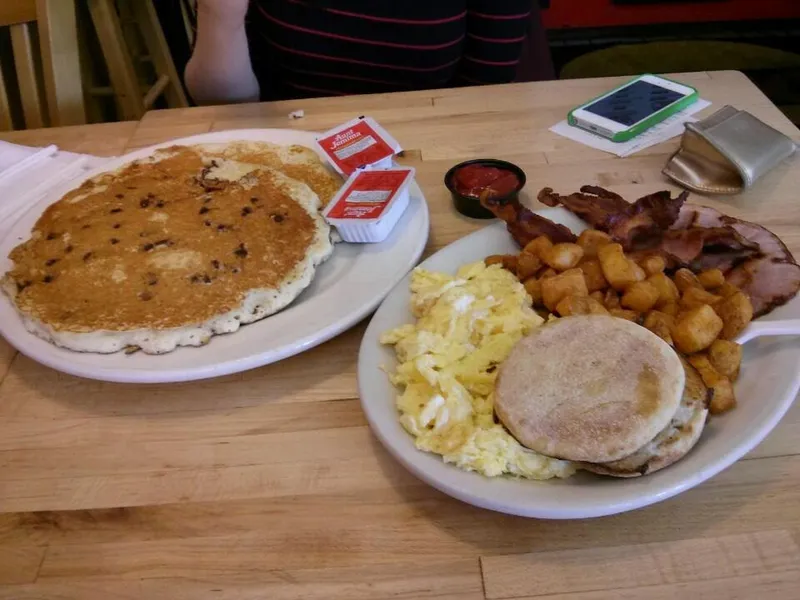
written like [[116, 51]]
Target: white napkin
[[665, 130], [12, 154], [27, 174]]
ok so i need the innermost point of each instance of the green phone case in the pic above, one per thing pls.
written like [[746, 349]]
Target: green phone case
[[628, 134]]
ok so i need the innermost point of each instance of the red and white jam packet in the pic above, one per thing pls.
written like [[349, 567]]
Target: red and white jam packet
[[358, 144], [370, 204]]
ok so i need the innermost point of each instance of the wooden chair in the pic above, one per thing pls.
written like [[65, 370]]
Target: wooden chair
[[49, 85], [134, 97]]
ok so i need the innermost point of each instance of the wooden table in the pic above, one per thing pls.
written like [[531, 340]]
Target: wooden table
[[268, 484]]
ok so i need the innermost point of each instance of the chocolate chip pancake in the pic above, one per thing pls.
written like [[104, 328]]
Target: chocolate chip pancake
[[298, 162], [166, 252]]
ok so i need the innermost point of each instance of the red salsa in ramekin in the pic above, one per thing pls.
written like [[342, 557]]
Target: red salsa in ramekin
[[472, 180], [488, 177]]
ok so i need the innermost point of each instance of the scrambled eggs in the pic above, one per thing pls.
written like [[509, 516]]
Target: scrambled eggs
[[466, 326]]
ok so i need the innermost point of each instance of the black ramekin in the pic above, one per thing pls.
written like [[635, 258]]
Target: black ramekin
[[472, 207]]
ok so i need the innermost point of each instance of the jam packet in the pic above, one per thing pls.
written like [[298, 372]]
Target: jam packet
[[358, 144], [370, 204]]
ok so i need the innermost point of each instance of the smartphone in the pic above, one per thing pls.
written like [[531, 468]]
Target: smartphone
[[626, 111]]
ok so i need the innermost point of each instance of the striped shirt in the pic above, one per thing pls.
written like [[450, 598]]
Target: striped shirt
[[340, 47]]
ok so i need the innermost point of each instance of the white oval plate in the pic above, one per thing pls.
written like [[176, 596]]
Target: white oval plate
[[345, 289], [769, 382]]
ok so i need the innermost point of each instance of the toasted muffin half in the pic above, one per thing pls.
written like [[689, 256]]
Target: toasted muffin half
[[674, 441], [589, 388]]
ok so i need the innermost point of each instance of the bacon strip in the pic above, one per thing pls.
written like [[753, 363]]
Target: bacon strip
[[628, 224], [524, 225], [594, 205], [648, 217]]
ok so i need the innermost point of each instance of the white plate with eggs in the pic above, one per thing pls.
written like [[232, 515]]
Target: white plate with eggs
[[767, 386]]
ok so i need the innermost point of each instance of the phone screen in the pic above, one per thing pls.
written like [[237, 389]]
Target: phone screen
[[633, 103]]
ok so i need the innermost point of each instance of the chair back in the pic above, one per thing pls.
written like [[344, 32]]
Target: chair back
[[40, 75]]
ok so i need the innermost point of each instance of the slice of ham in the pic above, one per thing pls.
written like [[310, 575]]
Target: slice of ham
[[723, 259], [693, 215], [771, 278], [704, 216], [687, 246], [769, 243], [769, 282]]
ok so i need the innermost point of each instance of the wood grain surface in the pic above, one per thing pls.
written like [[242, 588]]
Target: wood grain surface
[[268, 484]]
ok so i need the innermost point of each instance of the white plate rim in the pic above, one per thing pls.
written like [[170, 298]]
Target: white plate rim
[[450, 479], [58, 358]]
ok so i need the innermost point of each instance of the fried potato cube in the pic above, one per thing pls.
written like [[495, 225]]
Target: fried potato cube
[[593, 272], [726, 357], [494, 259], [682, 312], [547, 273], [723, 398], [618, 269], [591, 239], [527, 265], [726, 290], [611, 299], [598, 295], [684, 279], [580, 305], [562, 256], [596, 307], [568, 283], [667, 290], [693, 297], [736, 312], [534, 288], [507, 261], [510, 263], [640, 296], [638, 272], [628, 315], [671, 308], [711, 279], [696, 329], [703, 365], [653, 264], [661, 324], [537, 246]]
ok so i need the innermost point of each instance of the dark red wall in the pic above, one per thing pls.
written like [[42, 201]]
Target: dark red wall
[[604, 13]]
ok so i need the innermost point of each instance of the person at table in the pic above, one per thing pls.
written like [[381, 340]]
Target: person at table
[[278, 49]]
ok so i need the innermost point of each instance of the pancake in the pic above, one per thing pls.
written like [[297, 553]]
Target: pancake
[[166, 252], [674, 441], [298, 162], [589, 388]]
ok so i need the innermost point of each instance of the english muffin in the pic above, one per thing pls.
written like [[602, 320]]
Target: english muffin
[[674, 441], [589, 388]]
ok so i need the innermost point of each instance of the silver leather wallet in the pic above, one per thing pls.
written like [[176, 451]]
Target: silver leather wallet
[[727, 152]]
